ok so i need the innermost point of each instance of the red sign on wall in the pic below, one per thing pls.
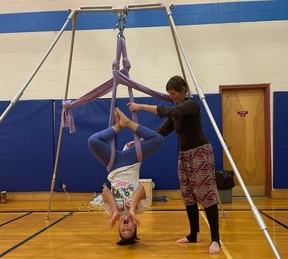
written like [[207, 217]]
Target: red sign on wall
[[242, 113]]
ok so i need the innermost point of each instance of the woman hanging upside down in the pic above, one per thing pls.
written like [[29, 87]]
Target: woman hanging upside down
[[123, 201]]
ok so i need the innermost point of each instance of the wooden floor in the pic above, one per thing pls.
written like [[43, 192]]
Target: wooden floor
[[74, 230]]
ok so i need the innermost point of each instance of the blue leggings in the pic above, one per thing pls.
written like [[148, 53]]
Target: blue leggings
[[99, 144]]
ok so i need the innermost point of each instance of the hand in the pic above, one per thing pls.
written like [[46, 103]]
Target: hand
[[130, 144], [115, 218], [135, 219], [134, 106]]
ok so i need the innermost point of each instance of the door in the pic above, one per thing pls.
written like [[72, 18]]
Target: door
[[246, 132]]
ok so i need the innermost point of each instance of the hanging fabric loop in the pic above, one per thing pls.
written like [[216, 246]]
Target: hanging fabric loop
[[121, 50]]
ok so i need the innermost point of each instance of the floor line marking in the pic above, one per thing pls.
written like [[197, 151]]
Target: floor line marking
[[273, 219], [7, 222], [34, 235]]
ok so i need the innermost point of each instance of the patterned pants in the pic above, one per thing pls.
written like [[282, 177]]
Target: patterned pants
[[196, 173]]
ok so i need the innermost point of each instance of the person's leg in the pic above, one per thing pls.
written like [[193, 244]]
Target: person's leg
[[212, 215], [99, 144], [206, 193], [193, 217], [123, 122], [186, 187], [152, 139]]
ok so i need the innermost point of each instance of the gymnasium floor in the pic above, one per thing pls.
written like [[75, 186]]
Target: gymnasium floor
[[75, 230]]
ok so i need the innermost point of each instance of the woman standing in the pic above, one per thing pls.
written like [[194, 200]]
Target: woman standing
[[196, 164]]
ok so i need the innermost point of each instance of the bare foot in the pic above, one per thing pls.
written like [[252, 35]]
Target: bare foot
[[121, 118], [185, 240], [117, 127], [214, 248]]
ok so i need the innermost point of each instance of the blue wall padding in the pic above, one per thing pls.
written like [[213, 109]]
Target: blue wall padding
[[280, 141], [77, 166], [214, 103], [29, 142], [83, 173], [26, 149]]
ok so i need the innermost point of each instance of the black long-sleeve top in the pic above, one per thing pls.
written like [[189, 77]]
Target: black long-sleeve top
[[185, 119]]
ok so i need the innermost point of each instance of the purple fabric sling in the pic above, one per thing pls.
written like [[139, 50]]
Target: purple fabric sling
[[119, 77]]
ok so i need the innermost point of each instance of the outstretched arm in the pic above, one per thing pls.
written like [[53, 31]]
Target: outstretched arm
[[139, 194], [145, 107], [109, 199]]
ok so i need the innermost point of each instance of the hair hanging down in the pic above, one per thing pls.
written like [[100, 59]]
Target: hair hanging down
[[129, 241]]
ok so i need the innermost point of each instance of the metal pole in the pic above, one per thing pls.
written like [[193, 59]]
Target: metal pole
[[254, 209], [47, 216], [21, 91], [131, 7], [178, 51]]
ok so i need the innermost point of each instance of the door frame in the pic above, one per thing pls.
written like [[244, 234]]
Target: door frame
[[266, 88]]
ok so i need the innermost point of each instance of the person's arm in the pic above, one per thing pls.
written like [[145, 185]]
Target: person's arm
[[166, 128], [187, 107], [145, 107], [162, 111], [109, 199], [139, 194]]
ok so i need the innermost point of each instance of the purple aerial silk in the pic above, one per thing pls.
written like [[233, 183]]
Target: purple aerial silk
[[119, 77]]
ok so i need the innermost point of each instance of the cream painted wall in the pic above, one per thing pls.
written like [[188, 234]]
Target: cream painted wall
[[219, 54], [233, 53]]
